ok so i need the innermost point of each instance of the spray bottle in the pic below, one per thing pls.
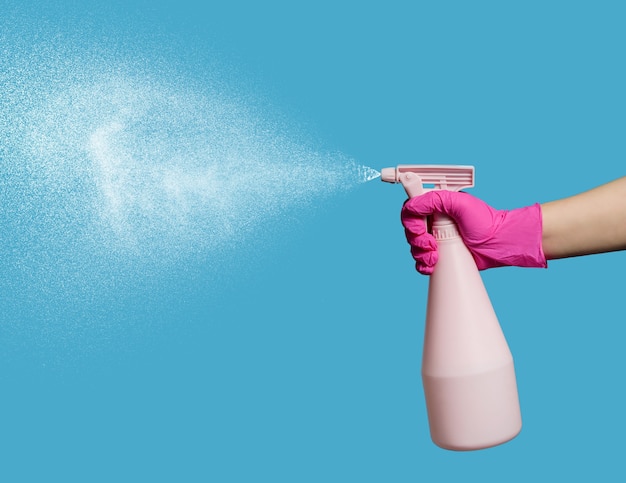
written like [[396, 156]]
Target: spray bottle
[[467, 367]]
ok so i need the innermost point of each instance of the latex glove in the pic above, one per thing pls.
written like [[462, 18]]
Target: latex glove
[[495, 238]]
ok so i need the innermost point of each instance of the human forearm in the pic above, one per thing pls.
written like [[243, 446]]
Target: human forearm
[[590, 222]]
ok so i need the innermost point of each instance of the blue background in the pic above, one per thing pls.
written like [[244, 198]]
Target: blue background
[[299, 359]]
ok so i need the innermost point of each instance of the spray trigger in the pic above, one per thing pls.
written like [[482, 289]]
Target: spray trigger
[[412, 183]]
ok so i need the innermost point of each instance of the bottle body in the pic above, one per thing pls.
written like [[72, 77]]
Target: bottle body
[[467, 367]]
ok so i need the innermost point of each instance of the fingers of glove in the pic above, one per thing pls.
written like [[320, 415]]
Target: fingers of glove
[[413, 224], [458, 205], [424, 241], [425, 260], [424, 269], [427, 204], [424, 252]]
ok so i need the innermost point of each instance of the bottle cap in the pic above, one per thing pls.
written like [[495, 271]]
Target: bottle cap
[[445, 231]]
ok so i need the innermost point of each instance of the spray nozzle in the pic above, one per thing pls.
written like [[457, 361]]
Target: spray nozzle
[[420, 178]]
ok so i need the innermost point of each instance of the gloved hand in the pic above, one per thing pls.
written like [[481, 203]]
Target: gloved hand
[[495, 238]]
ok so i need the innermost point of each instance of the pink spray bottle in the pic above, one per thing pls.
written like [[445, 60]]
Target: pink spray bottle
[[467, 367]]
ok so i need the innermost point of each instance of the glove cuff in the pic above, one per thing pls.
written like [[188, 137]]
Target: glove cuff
[[517, 241]]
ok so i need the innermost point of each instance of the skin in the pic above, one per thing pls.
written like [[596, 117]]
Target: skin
[[587, 223]]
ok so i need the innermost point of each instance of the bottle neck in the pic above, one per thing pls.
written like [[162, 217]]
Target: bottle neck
[[444, 228]]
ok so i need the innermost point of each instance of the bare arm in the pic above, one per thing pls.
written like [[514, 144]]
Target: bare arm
[[590, 222]]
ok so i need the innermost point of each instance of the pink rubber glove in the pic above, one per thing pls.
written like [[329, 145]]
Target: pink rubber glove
[[495, 238]]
